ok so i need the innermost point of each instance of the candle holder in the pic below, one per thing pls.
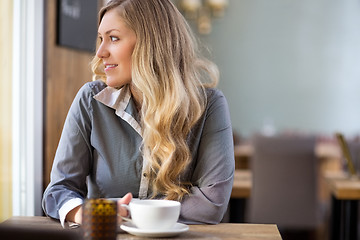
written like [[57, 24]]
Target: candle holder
[[99, 221]]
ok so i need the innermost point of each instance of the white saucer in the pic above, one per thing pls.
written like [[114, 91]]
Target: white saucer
[[177, 229]]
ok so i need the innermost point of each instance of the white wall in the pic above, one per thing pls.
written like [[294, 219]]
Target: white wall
[[294, 64]]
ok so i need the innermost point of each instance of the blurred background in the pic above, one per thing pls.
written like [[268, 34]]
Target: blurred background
[[289, 64], [285, 66]]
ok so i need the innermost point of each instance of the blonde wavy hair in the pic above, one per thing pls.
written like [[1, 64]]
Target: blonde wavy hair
[[171, 75]]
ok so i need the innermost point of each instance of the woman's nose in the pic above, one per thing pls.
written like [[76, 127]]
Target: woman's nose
[[102, 51]]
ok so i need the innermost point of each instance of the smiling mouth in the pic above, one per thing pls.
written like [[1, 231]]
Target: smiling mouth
[[110, 66]]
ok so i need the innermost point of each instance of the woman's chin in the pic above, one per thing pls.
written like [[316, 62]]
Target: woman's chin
[[112, 84], [115, 83]]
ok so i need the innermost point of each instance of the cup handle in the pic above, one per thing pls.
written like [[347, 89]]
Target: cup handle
[[128, 217]]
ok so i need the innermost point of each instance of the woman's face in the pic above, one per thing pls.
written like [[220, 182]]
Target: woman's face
[[116, 47]]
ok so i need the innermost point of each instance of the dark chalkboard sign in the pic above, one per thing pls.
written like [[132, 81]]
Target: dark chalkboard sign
[[77, 24]]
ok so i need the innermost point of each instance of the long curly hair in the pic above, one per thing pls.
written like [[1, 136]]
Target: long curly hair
[[171, 75]]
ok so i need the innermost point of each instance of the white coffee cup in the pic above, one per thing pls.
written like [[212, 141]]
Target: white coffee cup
[[153, 214]]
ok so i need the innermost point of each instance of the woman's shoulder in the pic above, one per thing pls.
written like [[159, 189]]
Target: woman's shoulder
[[216, 102], [94, 87], [214, 95], [88, 90], [213, 92]]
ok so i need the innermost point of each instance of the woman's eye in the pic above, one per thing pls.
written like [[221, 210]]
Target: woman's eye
[[114, 39]]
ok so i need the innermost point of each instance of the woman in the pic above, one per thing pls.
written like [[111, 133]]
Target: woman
[[150, 125]]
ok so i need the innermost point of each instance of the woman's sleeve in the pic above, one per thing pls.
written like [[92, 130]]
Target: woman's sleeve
[[213, 174], [72, 159]]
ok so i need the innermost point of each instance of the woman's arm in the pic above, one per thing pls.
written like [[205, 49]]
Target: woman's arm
[[72, 159], [213, 167]]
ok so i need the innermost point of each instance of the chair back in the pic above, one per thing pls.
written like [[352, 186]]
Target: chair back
[[284, 182], [354, 148]]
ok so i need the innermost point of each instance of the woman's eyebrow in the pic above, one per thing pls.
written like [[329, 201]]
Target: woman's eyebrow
[[109, 31]]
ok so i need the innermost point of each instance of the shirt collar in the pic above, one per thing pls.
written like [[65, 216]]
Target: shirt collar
[[121, 101]]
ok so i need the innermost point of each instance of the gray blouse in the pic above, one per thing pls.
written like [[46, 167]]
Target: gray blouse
[[99, 155]]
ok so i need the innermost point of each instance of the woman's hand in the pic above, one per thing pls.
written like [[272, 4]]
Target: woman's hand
[[75, 215], [122, 212]]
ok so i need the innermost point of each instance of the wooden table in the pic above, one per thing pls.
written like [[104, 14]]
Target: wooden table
[[220, 231], [345, 196], [342, 186], [240, 193], [324, 150], [242, 184]]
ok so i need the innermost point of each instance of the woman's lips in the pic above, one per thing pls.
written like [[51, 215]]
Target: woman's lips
[[110, 66]]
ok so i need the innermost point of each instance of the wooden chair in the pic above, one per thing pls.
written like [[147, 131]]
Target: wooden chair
[[285, 183], [354, 148]]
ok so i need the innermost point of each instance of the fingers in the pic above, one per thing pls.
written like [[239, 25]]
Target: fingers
[[123, 212], [124, 200]]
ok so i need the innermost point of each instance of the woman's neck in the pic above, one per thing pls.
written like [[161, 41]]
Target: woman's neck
[[137, 96]]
